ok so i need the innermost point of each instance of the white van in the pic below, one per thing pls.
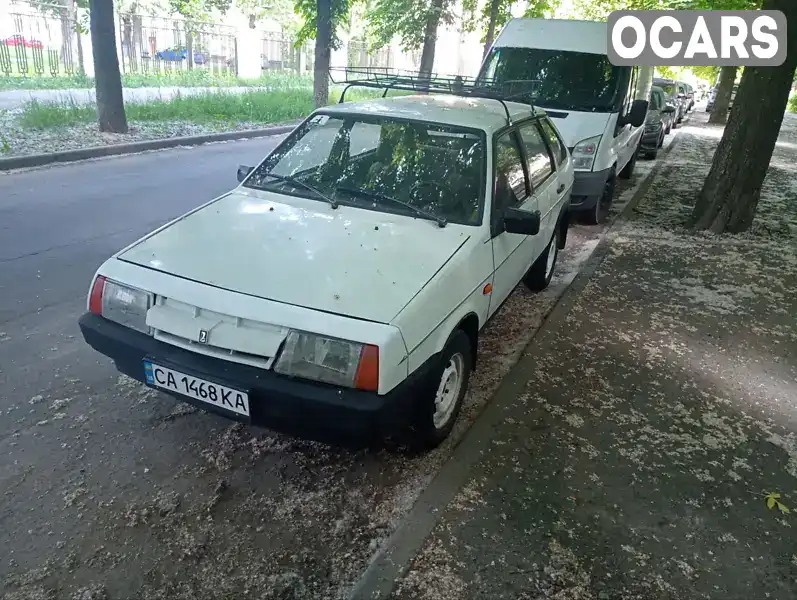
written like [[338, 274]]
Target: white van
[[598, 108]]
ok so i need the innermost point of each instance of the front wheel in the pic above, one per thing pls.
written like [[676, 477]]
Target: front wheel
[[598, 214], [628, 169], [437, 410], [540, 274]]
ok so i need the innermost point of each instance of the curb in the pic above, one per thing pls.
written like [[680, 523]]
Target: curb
[[391, 563], [64, 156]]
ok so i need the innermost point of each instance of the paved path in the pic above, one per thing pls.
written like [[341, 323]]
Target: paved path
[[105, 484], [10, 99]]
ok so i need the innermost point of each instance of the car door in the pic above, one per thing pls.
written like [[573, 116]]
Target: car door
[[542, 177], [511, 189]]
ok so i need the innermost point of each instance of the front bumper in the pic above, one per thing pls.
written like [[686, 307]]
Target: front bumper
[[588, 187], [292, 405]]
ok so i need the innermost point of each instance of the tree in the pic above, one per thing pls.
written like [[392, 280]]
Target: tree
[[321, 19], [729, 197], [719, 114], [415, 22], [107, 79]]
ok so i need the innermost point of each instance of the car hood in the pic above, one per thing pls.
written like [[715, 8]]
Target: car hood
[[348, 261], [576, 126]]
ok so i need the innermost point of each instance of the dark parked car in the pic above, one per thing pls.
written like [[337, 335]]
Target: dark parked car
[[690, 96], [673, 97], [713, 96], [658, 123], [180, 53]]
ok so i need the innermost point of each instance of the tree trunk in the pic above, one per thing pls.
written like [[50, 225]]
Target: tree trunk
[[81, 63], [490, 35], [719, 113], [730, 194], [189, 45], [430, 38], [323, 52], [108, 81]]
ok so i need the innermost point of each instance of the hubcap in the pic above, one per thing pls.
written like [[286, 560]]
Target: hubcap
[[448, 391], [553, 249]]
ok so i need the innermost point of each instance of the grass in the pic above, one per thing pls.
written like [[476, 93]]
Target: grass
[[257, 106], [193, 78], [792, 106]]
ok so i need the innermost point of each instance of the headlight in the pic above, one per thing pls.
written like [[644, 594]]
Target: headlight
[[120, 303], [330, 360], [584, 153]]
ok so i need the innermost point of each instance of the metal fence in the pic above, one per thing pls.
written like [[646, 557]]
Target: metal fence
[[360, 56], [39, 39], [279, 52], [158, 45]]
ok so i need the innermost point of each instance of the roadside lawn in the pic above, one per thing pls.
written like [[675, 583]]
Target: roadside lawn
[[39, 127]]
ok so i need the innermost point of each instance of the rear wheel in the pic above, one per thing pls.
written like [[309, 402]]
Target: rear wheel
[[539, 275], [437, 410]]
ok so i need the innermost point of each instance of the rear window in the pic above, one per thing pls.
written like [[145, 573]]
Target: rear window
[[568, 80]]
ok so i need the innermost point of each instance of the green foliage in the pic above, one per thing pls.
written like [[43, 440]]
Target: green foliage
[[405, 19], [308, 9], [187, 78], [212, 108], [199, 10], [793, 104]]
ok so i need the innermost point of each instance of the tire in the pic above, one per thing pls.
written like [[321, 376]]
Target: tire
[[599, 213], [432, 423], [628, 169], [539, 275], [652, 154]]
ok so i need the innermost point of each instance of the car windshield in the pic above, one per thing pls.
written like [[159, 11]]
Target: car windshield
[[424, 170], [669, 88], [568, 80]]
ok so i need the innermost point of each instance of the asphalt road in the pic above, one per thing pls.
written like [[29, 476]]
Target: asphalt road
[[106, 485]]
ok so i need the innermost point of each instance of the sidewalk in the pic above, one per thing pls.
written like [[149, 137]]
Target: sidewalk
[[656, 416]]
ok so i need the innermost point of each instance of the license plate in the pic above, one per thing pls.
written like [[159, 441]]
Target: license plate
[[199, 389]]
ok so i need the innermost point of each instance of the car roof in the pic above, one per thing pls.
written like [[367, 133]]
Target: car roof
[[485, 114]]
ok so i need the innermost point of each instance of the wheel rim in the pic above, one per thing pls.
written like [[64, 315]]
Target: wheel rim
[[448, 391], [553, 249]]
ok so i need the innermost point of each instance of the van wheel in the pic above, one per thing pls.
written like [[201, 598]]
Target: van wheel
[[539, 275], [628, 169], [437, 410], [599, 213]]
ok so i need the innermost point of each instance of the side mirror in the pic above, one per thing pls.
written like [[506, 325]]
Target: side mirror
[[637, 114], [243, 172], [668, 109], [521, 221]]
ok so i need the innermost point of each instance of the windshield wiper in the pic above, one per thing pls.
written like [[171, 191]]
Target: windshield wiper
[[299, 183], [441, 221]]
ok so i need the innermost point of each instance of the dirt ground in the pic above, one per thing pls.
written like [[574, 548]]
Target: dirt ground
[[652, 453]]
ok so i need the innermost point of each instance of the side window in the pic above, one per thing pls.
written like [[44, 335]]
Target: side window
[[539, 159], [554, 141], [509, 170]]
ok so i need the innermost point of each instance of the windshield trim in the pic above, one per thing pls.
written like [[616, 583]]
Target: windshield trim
[[264, 167]]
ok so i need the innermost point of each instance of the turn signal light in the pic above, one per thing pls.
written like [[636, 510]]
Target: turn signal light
[[367, 377], [95, 299]]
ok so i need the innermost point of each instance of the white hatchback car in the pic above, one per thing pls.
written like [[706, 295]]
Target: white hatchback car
[[341, 287]]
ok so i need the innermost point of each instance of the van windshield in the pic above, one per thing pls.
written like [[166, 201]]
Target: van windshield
[[569, 80]]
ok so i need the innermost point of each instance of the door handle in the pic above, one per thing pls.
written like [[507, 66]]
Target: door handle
[[560, 189]]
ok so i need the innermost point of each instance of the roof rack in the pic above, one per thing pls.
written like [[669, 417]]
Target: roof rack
[[519, 90]]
